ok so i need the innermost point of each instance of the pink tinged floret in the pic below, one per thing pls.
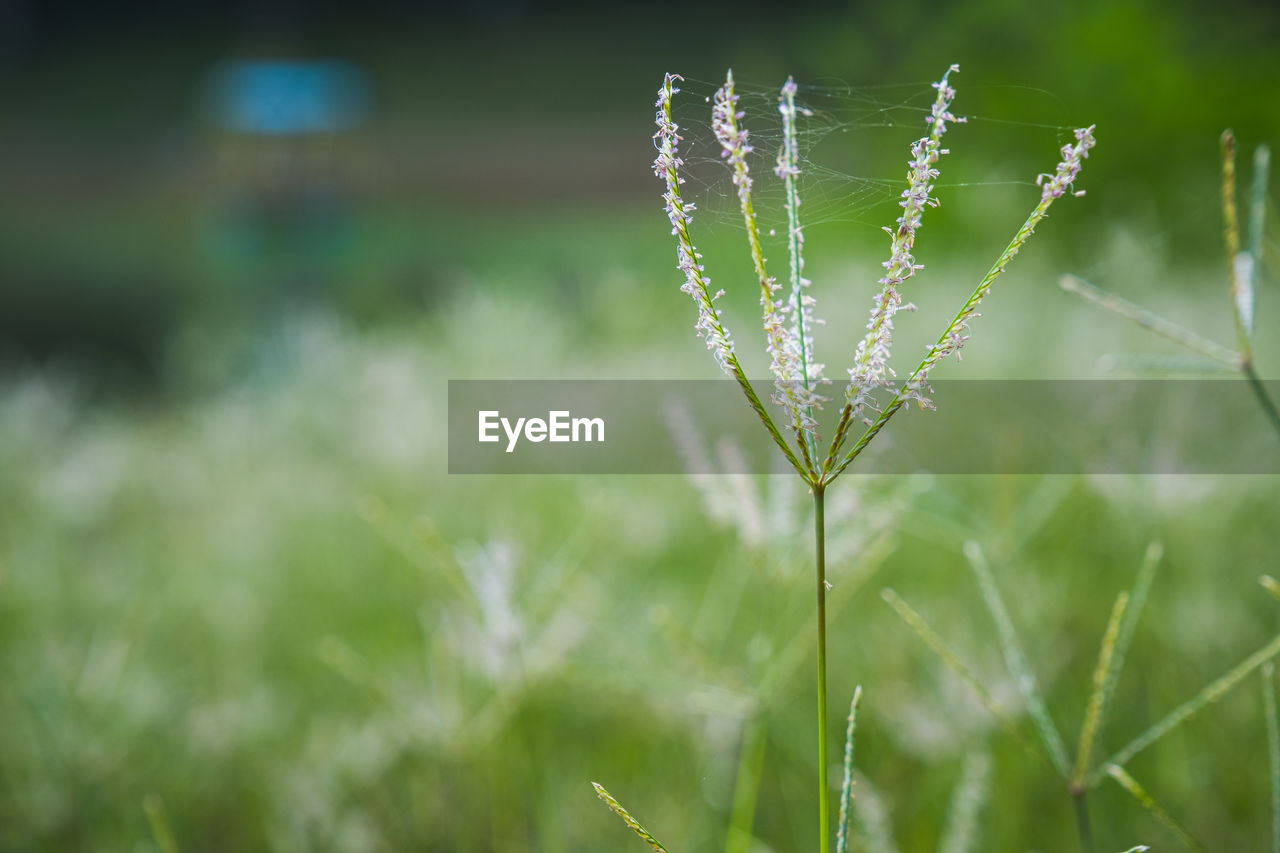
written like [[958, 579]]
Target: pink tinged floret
[[784, 353], [1073, 157], [1053, 186], [871, 369], [688, 260], [798, 394]]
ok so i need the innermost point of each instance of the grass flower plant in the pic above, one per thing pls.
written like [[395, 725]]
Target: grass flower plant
[[873, 394], [1244, 269]]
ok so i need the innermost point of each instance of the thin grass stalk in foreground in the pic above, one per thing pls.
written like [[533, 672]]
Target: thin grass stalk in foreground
[[627, 818], [1210, 694], [1015, 659], [1148, 802], [793, 654], [1273, 749], [846, 789]]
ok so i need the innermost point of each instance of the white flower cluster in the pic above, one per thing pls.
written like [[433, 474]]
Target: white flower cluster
[[789, 325], [800, 393], [689, 259], [871, 362], [953, 339]]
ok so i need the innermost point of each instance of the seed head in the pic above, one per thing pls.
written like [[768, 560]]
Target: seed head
[[871, 362], [689, 261]]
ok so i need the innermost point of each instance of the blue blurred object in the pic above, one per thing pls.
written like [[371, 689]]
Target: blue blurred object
[[278, 97]]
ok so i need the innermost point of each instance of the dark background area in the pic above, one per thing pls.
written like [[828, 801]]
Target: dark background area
[[130, 211]]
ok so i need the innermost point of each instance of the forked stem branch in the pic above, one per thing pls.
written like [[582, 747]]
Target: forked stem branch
[[1260, 391]]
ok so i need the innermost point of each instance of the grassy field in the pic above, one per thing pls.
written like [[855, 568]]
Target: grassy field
[[265, 616], [243, 606]]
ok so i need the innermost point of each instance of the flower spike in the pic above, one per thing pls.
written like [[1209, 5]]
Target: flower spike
[[784, 351], [688, 258], [871, 362], [800, 304], [709, 326]]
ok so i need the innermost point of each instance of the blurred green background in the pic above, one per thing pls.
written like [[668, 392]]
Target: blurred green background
[[244, 247]]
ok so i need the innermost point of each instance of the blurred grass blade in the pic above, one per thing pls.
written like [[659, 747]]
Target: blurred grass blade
[[1148, 802], [1273, 750], [1258, 204], [873, 818], [1149, 320], [961, 833], [1271, 585], [942, 650], [1179, 715], [1137, 600], [1015, 659], [421, 547], [747, 788], [1257, 226], [158, 819], [1097, 700], [1034, 511], [1189, 364], [627, 818], [1141, 848], [846, 790]]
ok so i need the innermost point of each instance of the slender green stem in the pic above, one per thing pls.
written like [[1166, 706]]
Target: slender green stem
[[1260, 391], [824, 795], [1273, 750], [1082, 820]]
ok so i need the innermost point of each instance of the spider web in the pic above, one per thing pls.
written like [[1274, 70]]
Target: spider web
[[839, 127]]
